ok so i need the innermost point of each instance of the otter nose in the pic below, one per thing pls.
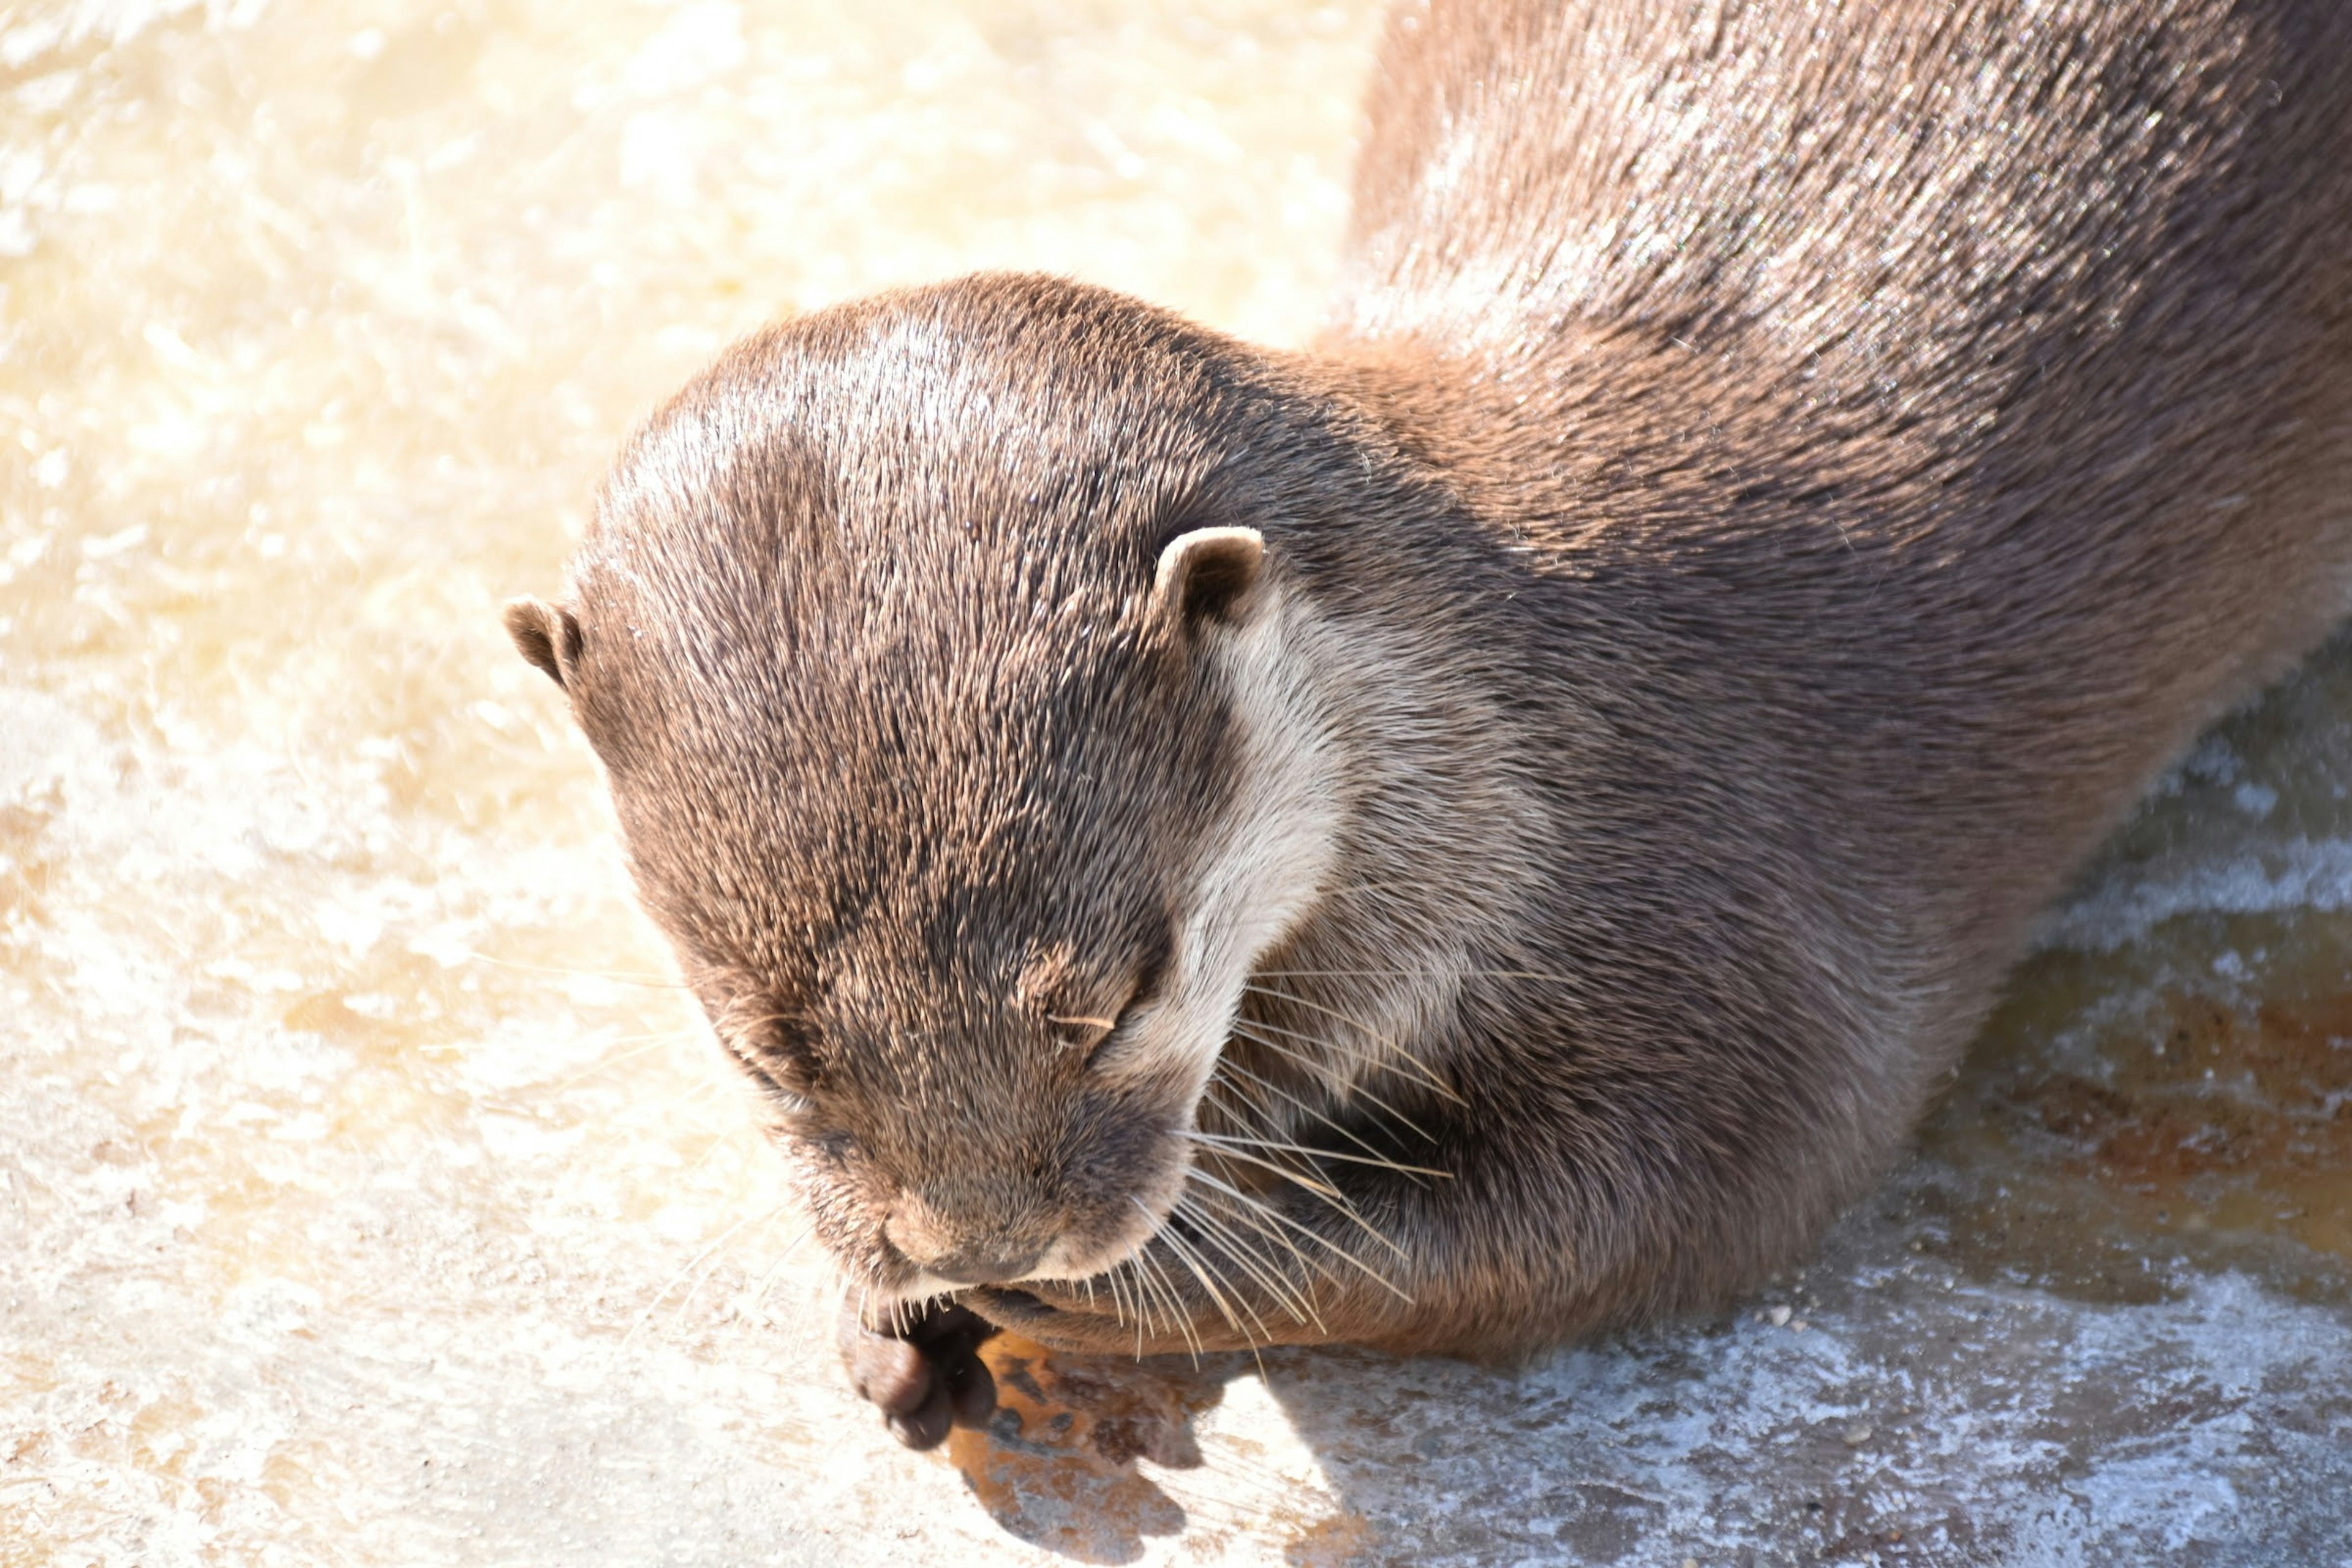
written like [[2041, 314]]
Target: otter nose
[[958, 1260]]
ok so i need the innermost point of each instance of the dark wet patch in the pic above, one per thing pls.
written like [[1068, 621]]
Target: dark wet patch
[[2096, 1154], [1056, 1466]]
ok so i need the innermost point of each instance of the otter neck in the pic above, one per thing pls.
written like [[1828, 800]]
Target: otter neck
[[1434, 845]]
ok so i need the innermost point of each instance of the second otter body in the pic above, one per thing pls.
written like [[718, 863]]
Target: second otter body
[[1496, 826]]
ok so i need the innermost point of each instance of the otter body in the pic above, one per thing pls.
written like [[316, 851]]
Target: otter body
[[1495, 826]]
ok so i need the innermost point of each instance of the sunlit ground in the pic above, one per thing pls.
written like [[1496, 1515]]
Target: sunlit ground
[[367, 1192]]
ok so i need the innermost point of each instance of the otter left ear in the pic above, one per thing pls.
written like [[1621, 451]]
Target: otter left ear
[[546, 634], [1205, 575]]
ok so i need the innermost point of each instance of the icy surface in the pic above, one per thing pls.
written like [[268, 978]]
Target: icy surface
[[368, 1194]]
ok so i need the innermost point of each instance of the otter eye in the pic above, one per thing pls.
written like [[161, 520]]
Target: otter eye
[[787, 1048], [1092, 1034], [778, 1053], [1082, 1032], [1092, 1031]]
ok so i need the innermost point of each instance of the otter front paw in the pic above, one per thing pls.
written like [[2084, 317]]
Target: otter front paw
[[925, 1374]]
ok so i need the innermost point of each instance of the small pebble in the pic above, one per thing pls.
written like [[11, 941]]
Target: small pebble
[[1857, 1433], [1778, 1317]]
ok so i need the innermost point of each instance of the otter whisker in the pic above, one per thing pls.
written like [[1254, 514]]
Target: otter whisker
[[760, 1291], [739, 1017], [1320, 1186], [1122, 1296], [1147, 1307], [1400, 1057], [703, 1090], [1259, 1269], [1286, 1173], [1146, 1299], [1256, 1031], [1270, 1086], [1412, 1172], [905, 1312], [1391, 1044], [1331, 1196], [647, 982], [1250, 1211], [1254, 1103], [1211, 1277], [1322, 1155], [717, 1143], [1436, 972], [1385, 1060], [639, 1045], [1117, 1302], [1208, 1247], [692, 1264], [1174, 1296], [1194, 1263], [1321, 1240], [1144, 1323]]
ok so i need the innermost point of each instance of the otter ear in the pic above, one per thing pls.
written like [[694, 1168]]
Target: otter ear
[[1205, 575], [546, 634]]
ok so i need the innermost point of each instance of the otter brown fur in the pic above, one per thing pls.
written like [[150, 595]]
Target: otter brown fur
[[1493, 826]]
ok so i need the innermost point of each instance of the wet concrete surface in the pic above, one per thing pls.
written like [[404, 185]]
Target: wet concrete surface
[[368, 1190]]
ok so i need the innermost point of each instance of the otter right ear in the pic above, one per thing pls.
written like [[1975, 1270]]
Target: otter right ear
[[546, 634], [1203, 576]]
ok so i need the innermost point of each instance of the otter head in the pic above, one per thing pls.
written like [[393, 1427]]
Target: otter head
[[951, 675]]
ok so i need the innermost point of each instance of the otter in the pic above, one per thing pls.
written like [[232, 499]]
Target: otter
[[1495, 826]]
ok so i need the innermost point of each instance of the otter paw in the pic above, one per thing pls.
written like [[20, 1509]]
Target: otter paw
[[926, 1375]]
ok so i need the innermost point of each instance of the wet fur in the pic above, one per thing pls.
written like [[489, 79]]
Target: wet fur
[[1782, 481]]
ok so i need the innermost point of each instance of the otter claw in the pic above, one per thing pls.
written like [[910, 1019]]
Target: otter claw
[[924, 1376], [972, 1388], [927, 1426]]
